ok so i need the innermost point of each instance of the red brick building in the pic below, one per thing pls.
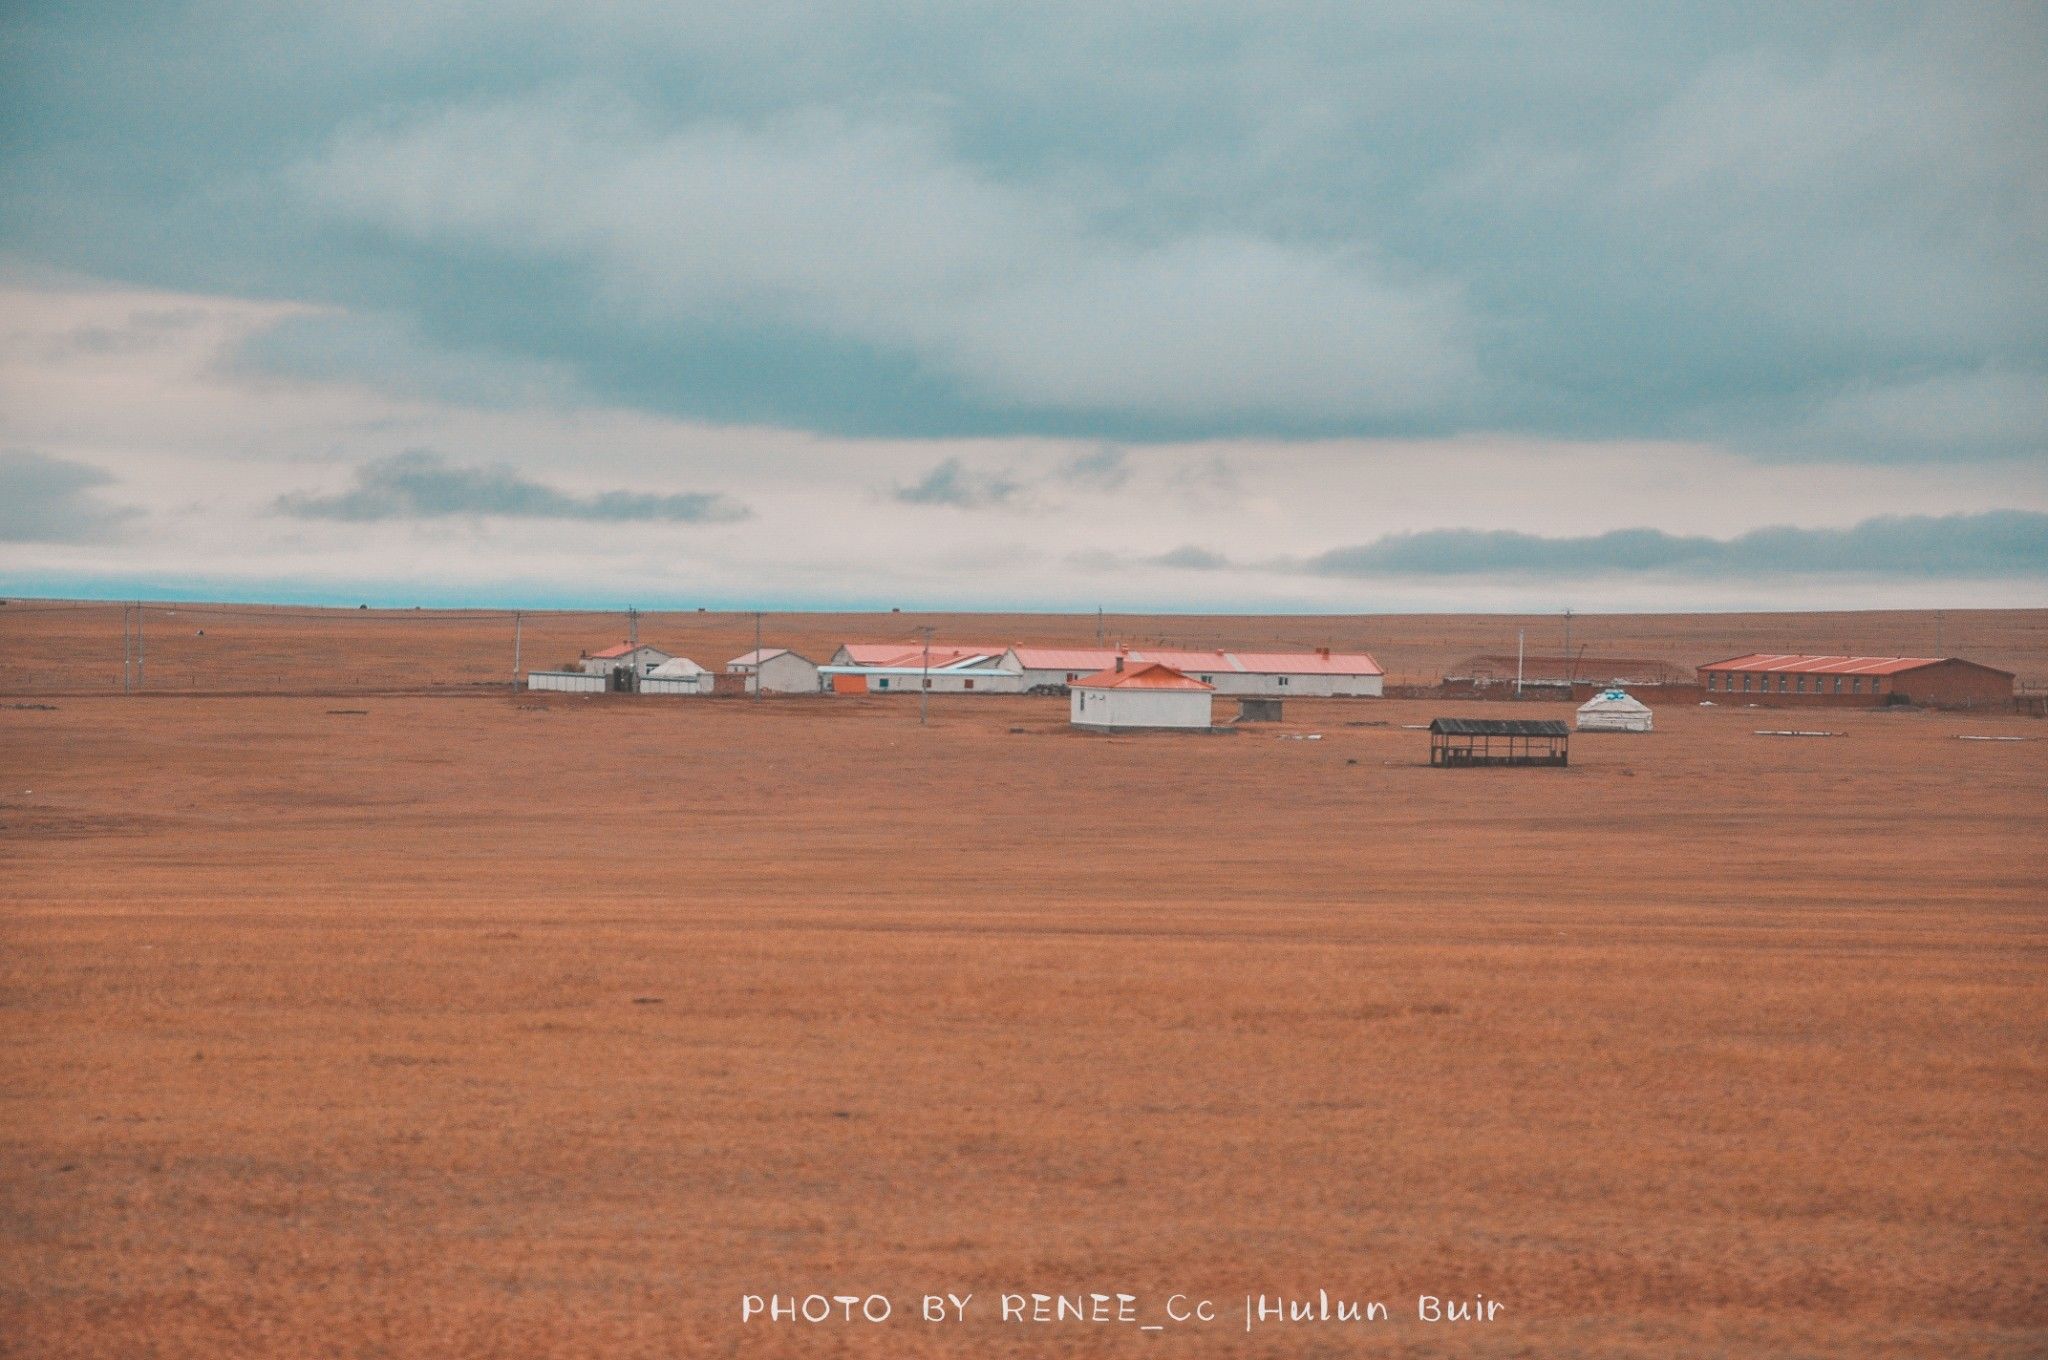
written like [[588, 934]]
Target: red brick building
[[1781, 679]]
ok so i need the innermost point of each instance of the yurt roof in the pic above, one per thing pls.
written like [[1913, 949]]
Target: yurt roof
[[1614, 701]]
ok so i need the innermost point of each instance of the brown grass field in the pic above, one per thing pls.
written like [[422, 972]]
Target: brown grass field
[[482, 1024]]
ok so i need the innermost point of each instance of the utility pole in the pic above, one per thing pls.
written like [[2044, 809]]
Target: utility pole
[[757, 656], [127, 651], [1568, 667], [1937, 632], [632, 626], [1521, 639], [138, 646], [517, 619], [1098, 625], [924, 687]]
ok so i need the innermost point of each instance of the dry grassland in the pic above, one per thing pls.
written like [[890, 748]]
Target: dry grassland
[[536, 1026]]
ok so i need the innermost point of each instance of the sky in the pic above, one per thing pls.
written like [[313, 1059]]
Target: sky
[[1209, 308]]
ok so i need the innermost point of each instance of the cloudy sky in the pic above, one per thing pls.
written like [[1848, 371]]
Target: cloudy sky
[[1148, 306]]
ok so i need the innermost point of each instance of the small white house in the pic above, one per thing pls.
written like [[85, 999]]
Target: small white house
[[678, 675], [776, 670], [640, 659], [1614, 710], [1135, 696]]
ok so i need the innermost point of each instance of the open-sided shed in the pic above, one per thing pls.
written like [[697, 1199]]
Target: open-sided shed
[[1498, 741]]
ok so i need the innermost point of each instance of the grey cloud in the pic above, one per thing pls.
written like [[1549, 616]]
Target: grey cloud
[[1994, 543], [1191, 558], [1106, 467], [952, 484], [1739, 222], [424, 485], [54, 500]]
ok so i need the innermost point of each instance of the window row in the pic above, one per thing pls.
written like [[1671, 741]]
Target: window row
[[1791, 684]]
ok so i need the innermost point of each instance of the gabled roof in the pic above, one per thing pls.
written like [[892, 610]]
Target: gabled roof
[[1826, 665], [1145, 675], [764, 654], [1064, 658], [676, 667], [912, 654], [1239, 663], [624, 649]]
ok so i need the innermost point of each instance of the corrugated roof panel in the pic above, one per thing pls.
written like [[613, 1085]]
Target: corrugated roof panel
[[1145, 675]]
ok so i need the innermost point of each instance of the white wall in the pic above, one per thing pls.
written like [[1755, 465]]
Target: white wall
[[1110, 708], [784, 673], [693, 684], [574, 682]]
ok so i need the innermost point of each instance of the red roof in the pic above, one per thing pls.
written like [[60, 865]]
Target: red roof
[[1242, 663], [1825, 665], [623, 649], [1147, 675]]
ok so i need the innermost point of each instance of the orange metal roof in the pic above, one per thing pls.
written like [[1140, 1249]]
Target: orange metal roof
[[1307, 663], [625, 649], [1145, 675], [1254, 663], [1825, 665]]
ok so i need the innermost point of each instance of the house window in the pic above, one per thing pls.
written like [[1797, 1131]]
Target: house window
[[1072, 676], [1208, 679], [968, 683], [1799, 683], [1781, 684], [1838, 684], [882, 682], [1745, 684], [1855, 684], [1283, 679]]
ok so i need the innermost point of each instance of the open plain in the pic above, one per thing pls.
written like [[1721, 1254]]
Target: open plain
[[361, 1018]]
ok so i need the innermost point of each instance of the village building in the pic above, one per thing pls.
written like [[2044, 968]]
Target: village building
[[1614, 710], [1280, 675], [1784, 679], [637, 658], [775, 670], [911, 667], [1139, 695]]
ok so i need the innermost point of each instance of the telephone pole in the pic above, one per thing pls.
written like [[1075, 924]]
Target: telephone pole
[[1568, 667], [138, 646], [757, 656], [924, 688], [517, 619], [127, 651], [632, 626]]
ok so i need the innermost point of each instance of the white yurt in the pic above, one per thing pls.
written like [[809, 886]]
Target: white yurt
[[1613, 710], [677, 675]]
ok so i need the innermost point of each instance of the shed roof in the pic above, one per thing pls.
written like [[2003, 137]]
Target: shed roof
[[1499, 727], [1147, 675], [624, 649]]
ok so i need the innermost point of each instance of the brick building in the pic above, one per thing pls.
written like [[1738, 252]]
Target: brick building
[[1791, 680]]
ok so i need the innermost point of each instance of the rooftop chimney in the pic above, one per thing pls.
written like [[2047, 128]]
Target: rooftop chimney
[[1119, 663]]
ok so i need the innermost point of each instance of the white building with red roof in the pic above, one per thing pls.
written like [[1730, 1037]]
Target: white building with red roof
[[638, 658], [1281, 675], [1137, 696]]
